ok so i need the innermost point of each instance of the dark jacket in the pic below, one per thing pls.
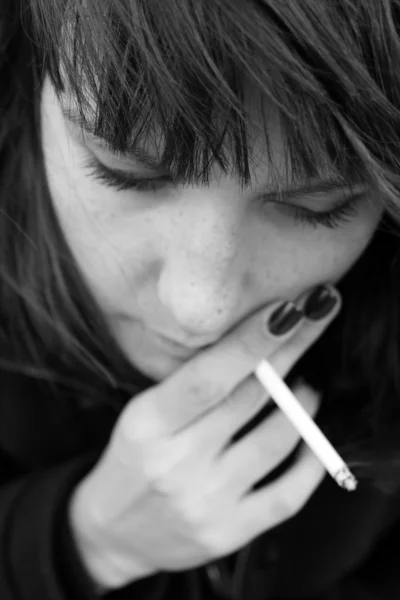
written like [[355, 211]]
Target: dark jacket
[[341, 546]]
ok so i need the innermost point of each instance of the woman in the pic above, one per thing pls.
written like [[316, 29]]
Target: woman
[[187, 187]]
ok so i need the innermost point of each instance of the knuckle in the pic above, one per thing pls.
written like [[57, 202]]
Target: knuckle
[[160, 483], [248, 346], [195, 513], [214, 542], [261, 448], [138, 422], [156, 478], [308, 396], [282, 510], [298, 503], [266, 446], [131, 432], [160, 472], [203, 393], [286, 507], [213, 491], [246, 398]]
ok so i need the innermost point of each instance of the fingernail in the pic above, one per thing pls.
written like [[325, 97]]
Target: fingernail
[[284, 318], [320, 303]]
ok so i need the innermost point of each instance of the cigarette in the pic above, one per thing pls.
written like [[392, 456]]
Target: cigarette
[[304, 424]]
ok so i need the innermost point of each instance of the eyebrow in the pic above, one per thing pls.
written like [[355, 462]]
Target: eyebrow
[[156, 164]]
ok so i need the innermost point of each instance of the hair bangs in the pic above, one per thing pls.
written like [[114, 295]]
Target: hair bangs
[[181, 76]]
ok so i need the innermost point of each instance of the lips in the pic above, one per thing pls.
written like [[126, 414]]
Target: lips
[[172, 342], [174, 348]]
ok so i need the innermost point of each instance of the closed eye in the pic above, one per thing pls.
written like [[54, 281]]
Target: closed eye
[[122, 181]]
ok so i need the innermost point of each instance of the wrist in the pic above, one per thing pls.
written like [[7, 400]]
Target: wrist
[[106, 569], [90, 547]]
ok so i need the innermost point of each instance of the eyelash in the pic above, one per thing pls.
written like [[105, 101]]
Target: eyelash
[[331, 219]]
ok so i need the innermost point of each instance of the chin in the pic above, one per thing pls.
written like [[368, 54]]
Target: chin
[[157, 369]]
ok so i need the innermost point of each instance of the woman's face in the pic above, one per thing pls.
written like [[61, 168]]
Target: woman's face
[[188, 263]]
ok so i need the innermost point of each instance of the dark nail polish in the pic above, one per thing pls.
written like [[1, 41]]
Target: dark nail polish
[[320, 303], [284, 319]]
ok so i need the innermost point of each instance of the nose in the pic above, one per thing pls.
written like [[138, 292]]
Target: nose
[[200, 283]]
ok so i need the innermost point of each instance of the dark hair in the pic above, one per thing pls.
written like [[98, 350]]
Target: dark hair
[[330, 72]]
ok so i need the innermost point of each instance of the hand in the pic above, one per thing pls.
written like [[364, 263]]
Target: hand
[[166, 494]]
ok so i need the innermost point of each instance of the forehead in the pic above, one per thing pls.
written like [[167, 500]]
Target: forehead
[[141, 67], [267, 160], [266, 143]]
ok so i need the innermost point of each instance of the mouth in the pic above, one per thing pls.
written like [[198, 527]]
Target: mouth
[[177, 349], [173, 347]]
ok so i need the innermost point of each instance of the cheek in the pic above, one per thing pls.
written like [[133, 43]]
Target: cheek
[[97, 230], [351, 244], [304, 257], [100, 234]]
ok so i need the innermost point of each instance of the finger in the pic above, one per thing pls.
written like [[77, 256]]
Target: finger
[[214, 430], [277, 502], [240, 466], [209, 435], [258, 453], [202, 383], [289, 353], [200, 448]]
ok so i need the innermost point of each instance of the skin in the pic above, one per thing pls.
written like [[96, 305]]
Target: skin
[[187, 262]]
